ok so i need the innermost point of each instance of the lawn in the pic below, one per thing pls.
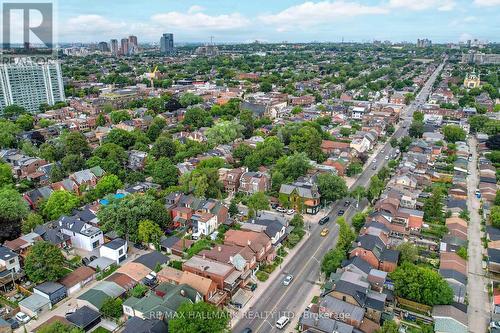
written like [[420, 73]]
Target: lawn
[[101, 330]]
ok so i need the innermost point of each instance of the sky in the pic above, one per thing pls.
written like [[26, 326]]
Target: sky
[[278, 20]]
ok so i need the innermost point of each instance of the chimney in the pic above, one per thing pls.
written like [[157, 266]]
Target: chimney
[[183, 293], [249, 242], [219, 248]]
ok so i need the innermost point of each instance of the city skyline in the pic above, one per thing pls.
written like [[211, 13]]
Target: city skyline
[[290, 20]]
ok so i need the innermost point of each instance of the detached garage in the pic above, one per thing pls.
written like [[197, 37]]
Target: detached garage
[[77, 279], [35, 305]]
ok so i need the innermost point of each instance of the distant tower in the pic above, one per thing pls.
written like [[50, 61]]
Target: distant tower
[[132, 43], [167, 43], [114, 47], [103, 47], [124, 46]]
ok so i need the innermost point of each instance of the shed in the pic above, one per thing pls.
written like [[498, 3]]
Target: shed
[[75, 280]]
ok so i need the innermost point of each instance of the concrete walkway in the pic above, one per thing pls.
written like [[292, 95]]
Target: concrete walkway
[[479, 307]]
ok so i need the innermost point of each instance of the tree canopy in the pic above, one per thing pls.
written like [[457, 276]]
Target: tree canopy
[[60, 203], [421, 284], [44, 262], [331, 187], [13, 209], [199, 317]]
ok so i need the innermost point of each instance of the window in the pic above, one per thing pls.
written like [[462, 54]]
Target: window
[[95, 244], [120, 252], [11, 261]]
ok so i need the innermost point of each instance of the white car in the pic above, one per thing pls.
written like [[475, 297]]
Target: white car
[[374, 160], [282, 322], [288, 279], [22, 317], [290, 212], [495, 324], [387, 157]]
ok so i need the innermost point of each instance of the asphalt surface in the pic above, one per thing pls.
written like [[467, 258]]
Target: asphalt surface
[[281, 300]]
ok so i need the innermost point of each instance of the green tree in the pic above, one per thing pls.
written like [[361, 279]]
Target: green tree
[[108, 184], [258, 201], [44, 262], [293, 166], [13, 110], [163, 172], [156, 127], [409, 98], [248, 123], [224, 131], [188, 99], [119, 116], [149, 233], [8, 132], [233, 208], [331, 187], [421, 284], [433, 207], [375, 188], [60, 203], [308, 139], [332, 260], [112, 308], [266, 87], [416, 129], [25, 122], [13, 209], [101, 120], [418, 116], [30, 222], [346, 234], [453, 133], [121, 138], [5, 175], [124, 215], [197, 117], [192, 318], [389, 326], [72, 162], [495, 216], [354, 169], [358, 221], [408, 252], [163, 147], [76, 143]]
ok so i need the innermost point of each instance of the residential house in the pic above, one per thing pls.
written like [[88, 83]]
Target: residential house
[[115, 250], [53, 291], [449, 319], [258, 242], [303, 197], [77, 279], [372, 249], [253, 182], [230, 178], [83, 235]]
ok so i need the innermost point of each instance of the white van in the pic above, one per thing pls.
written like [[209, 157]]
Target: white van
[[282, 322]]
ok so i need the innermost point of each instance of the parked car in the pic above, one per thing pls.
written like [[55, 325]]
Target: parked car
[[347, 203], [274, 205], [282, 322], [139, 246], [281, 210], [85, 261], [13, 323], [495, 324], [247, 330], [341, 212], [92, 258], [22, 317], [288, 279], [290, 212], [374, 167], [324, 232], [324, 220], [251, 286]]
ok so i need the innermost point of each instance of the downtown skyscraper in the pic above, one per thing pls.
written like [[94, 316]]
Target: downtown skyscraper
[[167, 43]]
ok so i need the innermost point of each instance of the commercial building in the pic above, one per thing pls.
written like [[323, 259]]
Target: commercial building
[[124, 49], [29, 84], [114, 47], [167, 44]]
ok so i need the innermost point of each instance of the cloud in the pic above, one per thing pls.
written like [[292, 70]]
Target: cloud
[[487, 3], [195, 9], [417, 5], [200, 21], [91, 26], [311, 13]]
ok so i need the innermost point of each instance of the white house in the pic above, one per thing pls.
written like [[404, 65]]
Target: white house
[[361, 145], [83, 235], [115, 250], [9, 260], [204, 224], [358, 112]]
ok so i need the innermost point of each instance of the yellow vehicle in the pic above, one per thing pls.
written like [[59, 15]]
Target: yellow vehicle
[[324, 232]]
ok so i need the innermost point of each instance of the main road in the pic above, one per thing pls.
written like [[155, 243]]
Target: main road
[[280, 300]]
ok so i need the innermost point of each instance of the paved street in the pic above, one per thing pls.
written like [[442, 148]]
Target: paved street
[[281, 300], [479, 308]]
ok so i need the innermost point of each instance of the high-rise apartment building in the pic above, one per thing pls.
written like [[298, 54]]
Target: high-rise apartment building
[[114, 47], [167, 44], [29, 84], [132, 44], [103, 47], [124, 46]]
